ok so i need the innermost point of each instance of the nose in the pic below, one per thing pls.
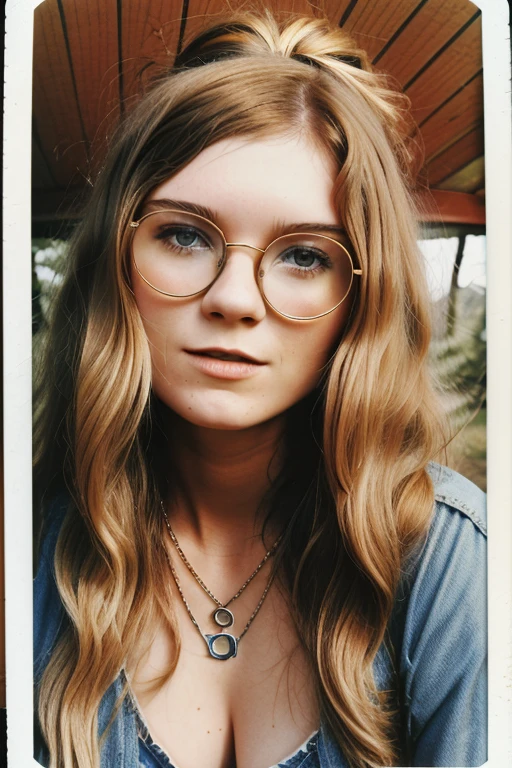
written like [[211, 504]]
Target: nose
[[235, 295]]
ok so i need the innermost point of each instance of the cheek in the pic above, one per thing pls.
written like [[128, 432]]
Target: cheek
[[166, 377], [151, 315], [320, 337], [159, 320], [307, 349]]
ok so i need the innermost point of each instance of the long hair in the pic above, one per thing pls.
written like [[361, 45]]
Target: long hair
[[367, 499]]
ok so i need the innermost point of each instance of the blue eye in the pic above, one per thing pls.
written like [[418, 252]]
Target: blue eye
[[186, 237], [305, 258], [182, 237]]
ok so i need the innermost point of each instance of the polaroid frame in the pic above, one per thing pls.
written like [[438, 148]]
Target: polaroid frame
[[18, 379]]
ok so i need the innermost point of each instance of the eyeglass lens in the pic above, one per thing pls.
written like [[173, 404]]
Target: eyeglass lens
[[300, 275]]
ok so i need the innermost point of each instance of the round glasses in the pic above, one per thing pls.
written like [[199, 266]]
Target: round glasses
[[302, 275]]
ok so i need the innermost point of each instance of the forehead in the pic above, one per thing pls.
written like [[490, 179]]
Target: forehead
[[290, 179]]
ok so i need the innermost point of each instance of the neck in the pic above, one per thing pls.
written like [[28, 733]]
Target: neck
[[221, 478]]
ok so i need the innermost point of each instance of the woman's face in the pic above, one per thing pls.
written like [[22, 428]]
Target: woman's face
[[255, 191]]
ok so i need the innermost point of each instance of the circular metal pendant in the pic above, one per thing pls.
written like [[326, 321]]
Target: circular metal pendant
[[222, 646], [223, 617]]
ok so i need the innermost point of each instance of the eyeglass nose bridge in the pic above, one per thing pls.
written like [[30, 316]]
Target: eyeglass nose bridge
[[258, 272], [222, 263], [245, 245]]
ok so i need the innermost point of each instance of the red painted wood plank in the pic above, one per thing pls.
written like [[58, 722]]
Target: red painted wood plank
[[372, 24], [447, 73], [432, 27], [461, 114], [92, 34], [54, 104], [456, 156], [150, 32], [332, 9]]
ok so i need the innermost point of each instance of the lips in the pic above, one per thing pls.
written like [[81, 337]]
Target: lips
[[229, 365], [228, 355]]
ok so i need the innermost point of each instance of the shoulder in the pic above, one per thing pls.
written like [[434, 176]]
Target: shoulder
[[444, 640], [452, 559], [448, 570], [455, 494], [454, 551], [447, 601], [457, 537]]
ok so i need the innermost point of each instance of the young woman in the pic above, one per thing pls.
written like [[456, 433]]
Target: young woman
[[248, 557]]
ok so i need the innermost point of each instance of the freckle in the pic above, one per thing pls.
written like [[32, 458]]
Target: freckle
[[220, 729], [207, 731], [198, 709]]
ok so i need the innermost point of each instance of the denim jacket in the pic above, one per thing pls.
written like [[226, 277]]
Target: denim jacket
[[438, 629]]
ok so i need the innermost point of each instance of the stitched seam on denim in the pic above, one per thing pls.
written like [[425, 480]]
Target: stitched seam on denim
[[158, 755], [142, 728], [463, 508], [161, 756], [311, 748], [130, 701], [302, 762]]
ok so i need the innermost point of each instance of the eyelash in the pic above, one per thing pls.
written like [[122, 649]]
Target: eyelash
[[166, 234], [324, 264]]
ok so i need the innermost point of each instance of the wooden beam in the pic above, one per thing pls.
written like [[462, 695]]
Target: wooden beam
[[451, 207]]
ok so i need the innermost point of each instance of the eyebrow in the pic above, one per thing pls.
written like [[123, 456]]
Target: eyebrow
[[281, 227], [181, 205], [309, 226]]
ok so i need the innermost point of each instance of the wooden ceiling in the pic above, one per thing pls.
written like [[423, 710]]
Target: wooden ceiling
[[90, 57]]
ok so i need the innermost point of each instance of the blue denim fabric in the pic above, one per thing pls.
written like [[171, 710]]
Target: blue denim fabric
[[439, 634]]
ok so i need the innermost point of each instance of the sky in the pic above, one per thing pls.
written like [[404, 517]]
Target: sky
[[440, 257]]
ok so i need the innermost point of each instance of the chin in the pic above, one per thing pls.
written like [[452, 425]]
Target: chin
[[226, 422], [220, 424], [220, 413]]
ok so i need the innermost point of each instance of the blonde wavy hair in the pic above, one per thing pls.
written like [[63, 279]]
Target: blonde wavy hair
[[361, 500]]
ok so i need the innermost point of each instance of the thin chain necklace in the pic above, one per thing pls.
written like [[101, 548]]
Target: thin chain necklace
[[221, 646]]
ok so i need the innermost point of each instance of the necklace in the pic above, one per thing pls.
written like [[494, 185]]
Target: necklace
[[221, 616], [222, 645]]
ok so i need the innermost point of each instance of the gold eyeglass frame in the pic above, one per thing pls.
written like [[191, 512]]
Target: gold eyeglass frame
[[259, 273]]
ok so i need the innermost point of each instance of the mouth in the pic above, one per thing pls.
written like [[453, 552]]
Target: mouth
[[228, 355]]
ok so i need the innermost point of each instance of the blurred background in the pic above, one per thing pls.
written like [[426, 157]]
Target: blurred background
[[93, 58]]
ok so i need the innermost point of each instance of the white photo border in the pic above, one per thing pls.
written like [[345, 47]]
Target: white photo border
[[18, 379]]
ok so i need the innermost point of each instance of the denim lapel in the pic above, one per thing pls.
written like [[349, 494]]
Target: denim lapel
[[329, 753], [120, 747]]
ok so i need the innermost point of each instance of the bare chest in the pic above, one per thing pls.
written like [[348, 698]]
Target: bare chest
[[251, 711]]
